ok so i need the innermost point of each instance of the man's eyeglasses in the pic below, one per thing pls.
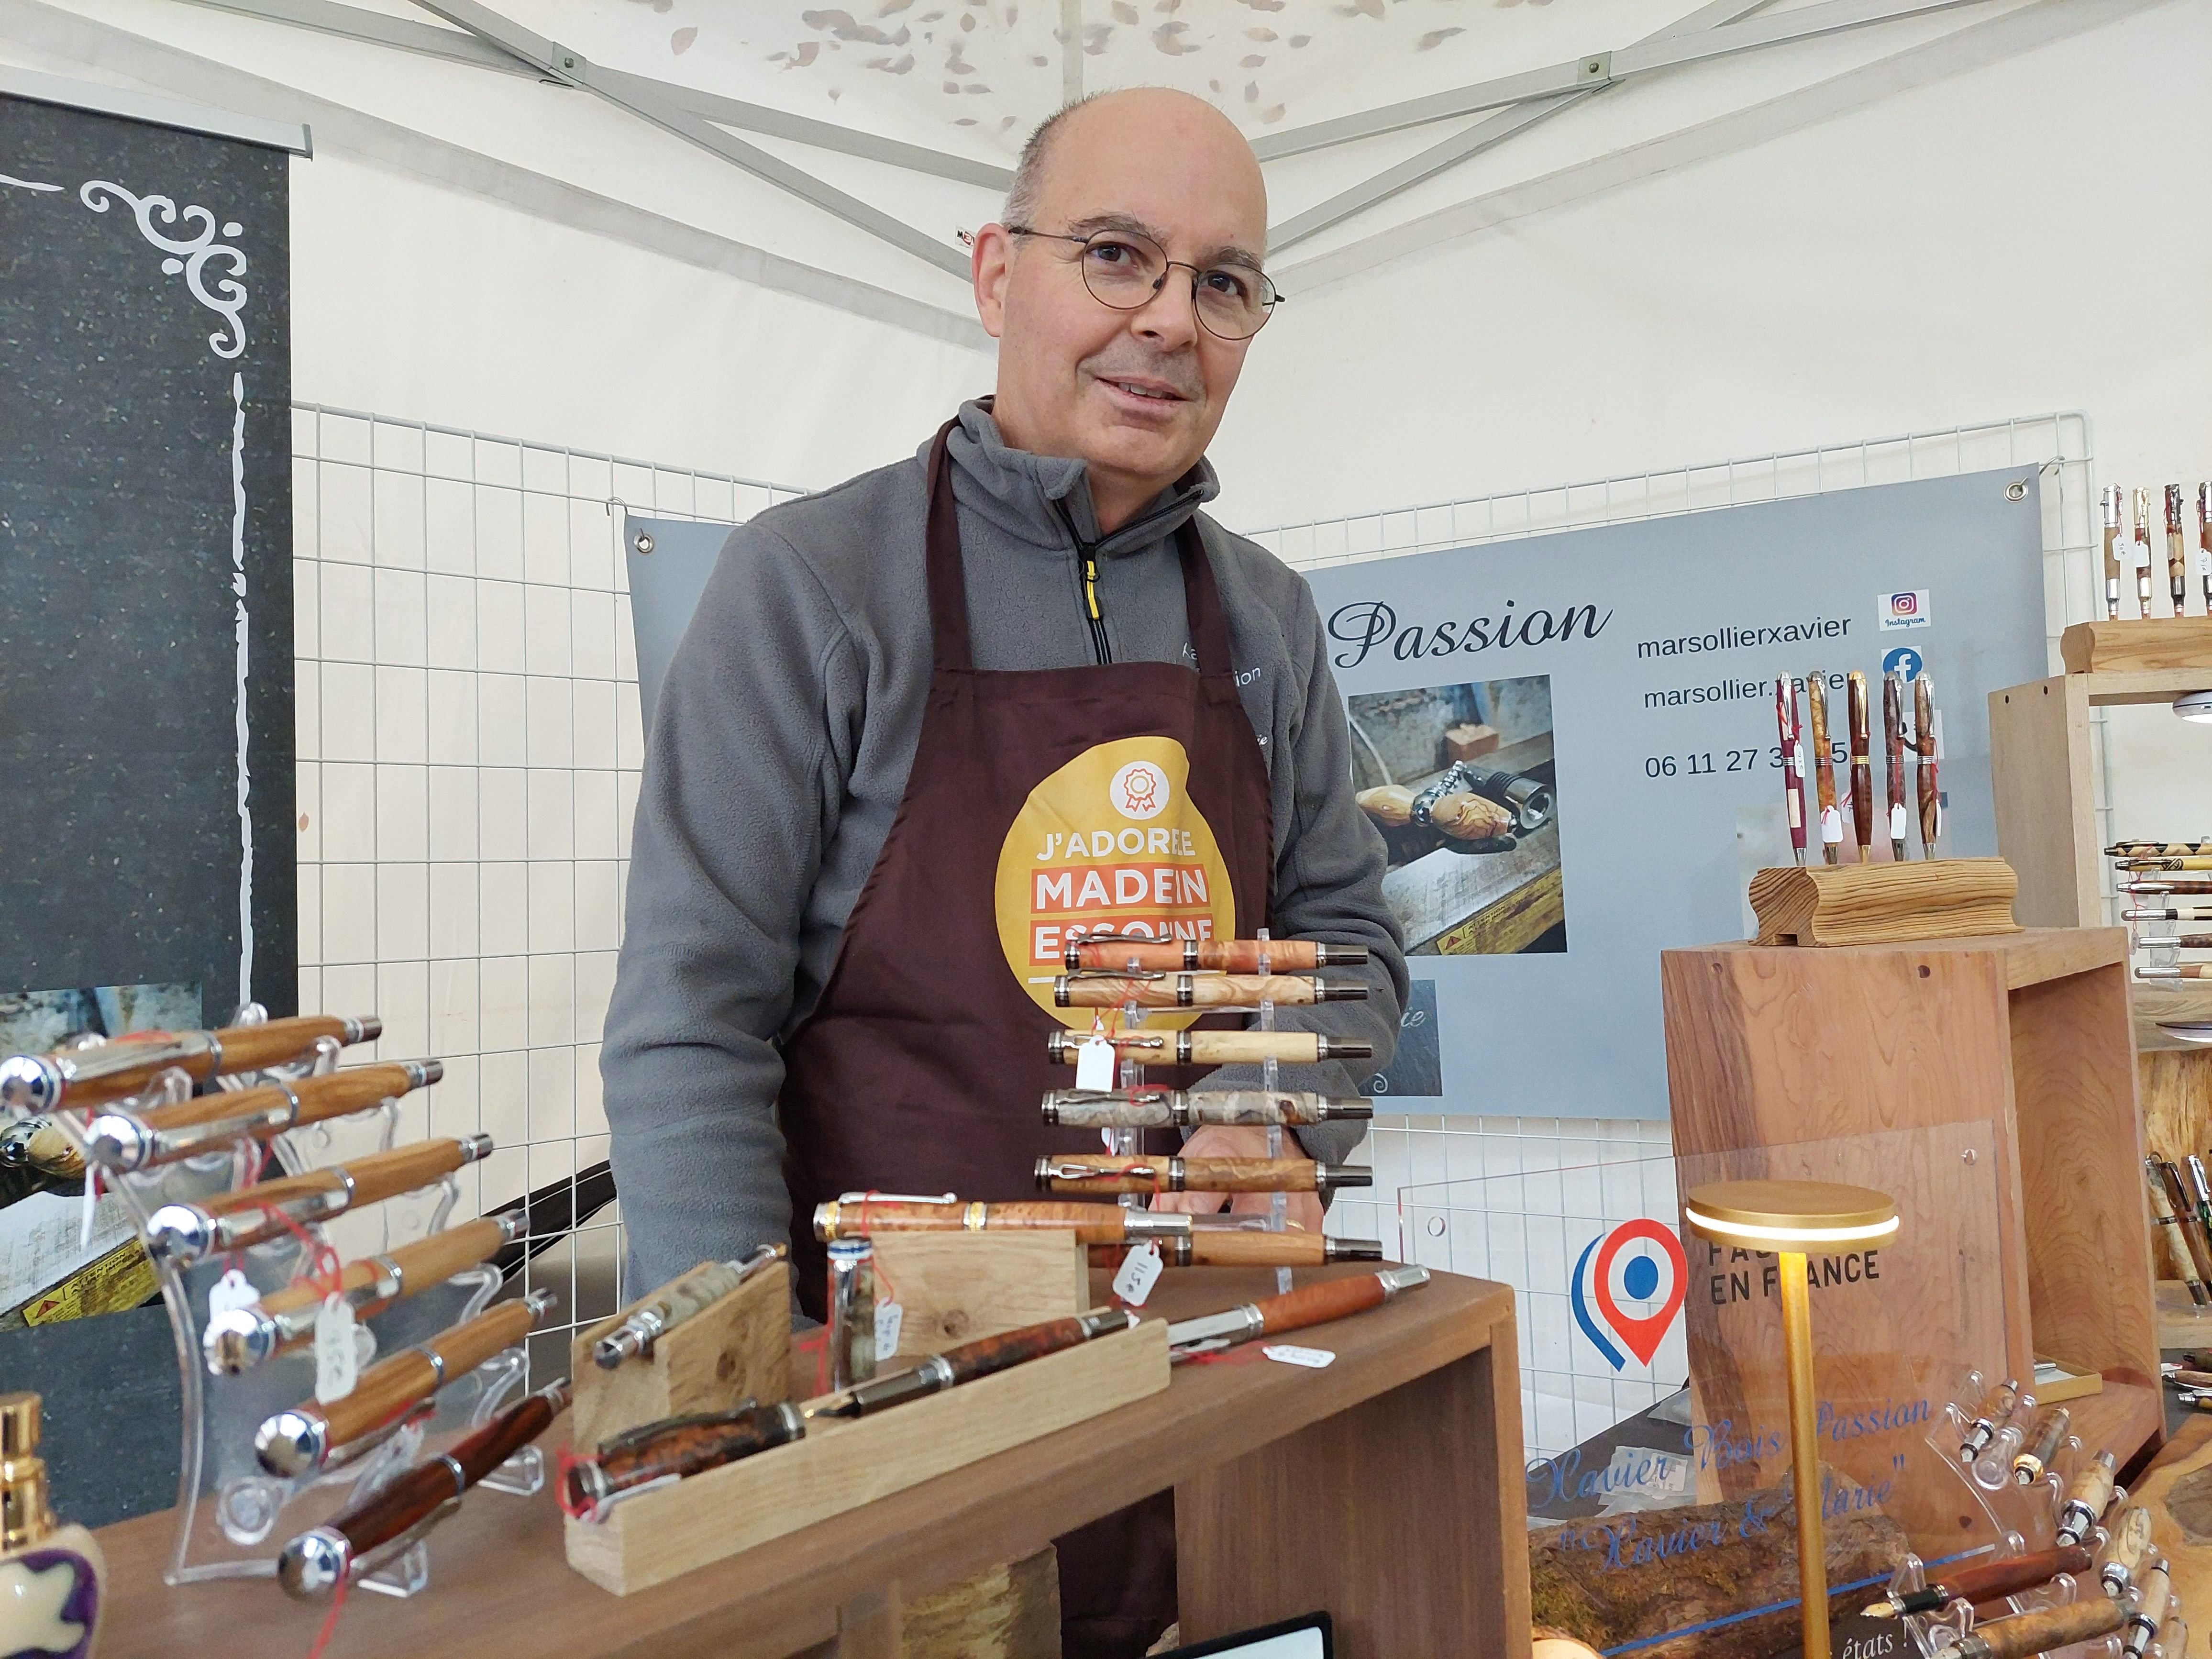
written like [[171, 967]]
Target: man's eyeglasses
[[1125, 269]]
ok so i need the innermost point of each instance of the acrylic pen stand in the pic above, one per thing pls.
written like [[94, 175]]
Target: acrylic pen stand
[[228, 1507]]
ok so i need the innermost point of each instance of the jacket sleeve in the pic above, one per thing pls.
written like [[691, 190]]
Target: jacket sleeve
[[1328, 886], [744, 768]]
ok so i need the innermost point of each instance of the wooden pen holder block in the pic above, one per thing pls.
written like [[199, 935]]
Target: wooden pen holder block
[[735, 1347], [953, 1288], [1884, 903], [839, 1466], [2150, 644]]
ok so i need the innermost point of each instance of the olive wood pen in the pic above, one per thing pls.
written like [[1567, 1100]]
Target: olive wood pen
[[2025, 1634], [1984, 1581], [2153, 1594], [2186, 1251], [137, 1141], [1892, 743], [2186, 1220], [1315, 1304], [1183, 1240], [1185, 1109], [2045, 1436], [2173, 1637], [88, 1077], [1114, 954], [1213, 1048], [240, 1339], [1824, 767], [2086, 1499], [236, 1220], [38, 1144], [2127, 1545], [1926, 787], [1861, 765], [306, 1437], [1093, 989], [1998, 1402], [368, 1532], [683, 1446], [2142, 547], [1106, 1172]]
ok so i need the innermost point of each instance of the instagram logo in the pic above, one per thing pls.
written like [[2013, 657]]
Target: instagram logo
[[1905, 610]]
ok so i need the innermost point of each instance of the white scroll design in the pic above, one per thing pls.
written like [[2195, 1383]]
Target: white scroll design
[[26, 183], [226, 296]]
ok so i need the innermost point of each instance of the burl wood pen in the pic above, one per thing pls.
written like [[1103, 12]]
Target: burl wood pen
[[1892, 743], [2025, 1634], [1091, 989], [371, 1530], [1984, 1581], [1862, 763], [1183, 1240], [1995, 1410], [2186, 1243], [1793, 750], [2176, 549], [1925, 784], [1824, 767], [89, 1077], [982, 1358], [1110, 1172], [1113, 953], [137, 1141], [1164, 1108], [681, 1299], [2045, 1436]]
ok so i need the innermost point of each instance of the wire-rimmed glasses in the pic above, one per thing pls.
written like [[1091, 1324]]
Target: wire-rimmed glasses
[[1125, 269]]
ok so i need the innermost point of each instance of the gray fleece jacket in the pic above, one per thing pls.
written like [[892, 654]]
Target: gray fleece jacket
[[780, 750]]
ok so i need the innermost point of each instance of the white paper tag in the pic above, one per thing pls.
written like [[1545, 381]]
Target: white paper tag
[[1832, 823], [1292, 1354], [91, 1204], [1896, 820], [2204, 561], [1140, 1272], [1797, 757], [889, 1314], [337, 1362], [2138, 555], [1094, 1064], [231, 1291]]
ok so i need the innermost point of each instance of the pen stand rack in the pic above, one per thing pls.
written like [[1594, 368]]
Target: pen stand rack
[[1884, 903], [233, 1516], [953, 1288], [738, 1347]]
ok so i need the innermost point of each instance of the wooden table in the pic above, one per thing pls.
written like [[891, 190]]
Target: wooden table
[[1386, 1488]]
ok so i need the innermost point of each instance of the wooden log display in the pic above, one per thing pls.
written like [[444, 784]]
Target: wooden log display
[[738, 1346], [1628, 1578], [2152, 643], [1884, 903]]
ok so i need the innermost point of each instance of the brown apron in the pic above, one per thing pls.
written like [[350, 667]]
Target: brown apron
[[920, 1069]]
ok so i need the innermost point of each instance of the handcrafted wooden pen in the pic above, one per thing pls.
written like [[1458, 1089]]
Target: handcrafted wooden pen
[[1106, 1172], [1091, 989], [1824, 767], [1862, 763], [2126, 849], [2111, 504], [2025, 1634], [2184, 1209], [38, 1144], [2173, 1637], [681, 1299], [365, 1535], [1984, 1581], [2045, 1436], [2141, 551], [2186, 970], [1316, 1304], [1893, 742], [2169, 913], [1113, 953], [2127, 1544], [2153, 1593], [1190, 1108], [1997, 1405], [86, 1077], [971, 1360], [1923, 772], [2086, 1500], [1793, 749], [2183, 1246], [2177, 550], [2204, 542], [1214, 1047], [241, 1337], [307, 1437], [1207, 1241], [236, 1220], [137, 1141]]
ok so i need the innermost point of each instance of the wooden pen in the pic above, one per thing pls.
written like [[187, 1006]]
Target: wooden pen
[[2204, 542], [2188, 1253], [137, 1141], [1093, 989], [1862, 763], [1984, 1581], [2086, 1499], [1190, 1108], [2154, 1594], [1115, 953], [2177, 550], [1213, 1047], [1312, 1305], [236, 1220], [1926, 785], [2141, 547], [2112, 505], [371, 1529], [2027, 1634], [1893, 742], [89, 1077], [1998, 1402], [1183, 1240], [1824, 767], [240, 1339], [1107, 1172], [2127, 1543], [307, 1437], [2045, 1436]]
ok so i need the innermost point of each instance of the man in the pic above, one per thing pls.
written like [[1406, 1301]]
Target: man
[[927, 725]]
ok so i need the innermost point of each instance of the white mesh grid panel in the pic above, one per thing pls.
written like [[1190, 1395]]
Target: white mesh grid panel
[[469, 746]]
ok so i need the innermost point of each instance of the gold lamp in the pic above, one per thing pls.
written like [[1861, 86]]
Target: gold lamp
[[1791, 1219]]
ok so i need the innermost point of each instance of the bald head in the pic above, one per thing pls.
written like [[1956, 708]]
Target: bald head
[[1134, 390]]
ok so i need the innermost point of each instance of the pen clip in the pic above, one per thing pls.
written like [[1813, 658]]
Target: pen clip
[[1115, 973], [873, 1197]]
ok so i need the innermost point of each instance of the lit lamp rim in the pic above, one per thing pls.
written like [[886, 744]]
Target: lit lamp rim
[[1789, 1215]]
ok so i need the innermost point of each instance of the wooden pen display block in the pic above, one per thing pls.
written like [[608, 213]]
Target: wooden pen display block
[[840, 1466], [953, 1288], [2146, 646], [738, 1346], [1884, 903]]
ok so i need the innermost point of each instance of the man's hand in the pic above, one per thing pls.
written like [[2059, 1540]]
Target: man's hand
[[1301, 1209]]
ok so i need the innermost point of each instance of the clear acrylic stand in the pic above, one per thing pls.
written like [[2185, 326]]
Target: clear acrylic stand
[[229, 1509], [1278, 1202]]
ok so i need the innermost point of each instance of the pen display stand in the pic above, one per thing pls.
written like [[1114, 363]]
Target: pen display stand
[[738, 1346], [233, 1516]]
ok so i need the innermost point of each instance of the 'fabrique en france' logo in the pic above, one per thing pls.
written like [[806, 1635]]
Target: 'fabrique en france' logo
[[1638, 1276]]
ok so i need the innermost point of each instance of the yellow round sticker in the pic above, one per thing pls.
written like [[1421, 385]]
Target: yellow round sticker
[[1110, 843]]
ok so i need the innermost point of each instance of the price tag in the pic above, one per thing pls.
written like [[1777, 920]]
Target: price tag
[[1896, 820], [231, 1290], [2139, 555], [1140, 1271], [1291, 1354], [2204, 561], [91, 1204], [1832, 824], [889, 1314], [1094, 1064], [337, 1363]]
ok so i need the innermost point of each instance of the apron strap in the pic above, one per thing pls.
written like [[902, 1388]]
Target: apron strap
[[950, 649]]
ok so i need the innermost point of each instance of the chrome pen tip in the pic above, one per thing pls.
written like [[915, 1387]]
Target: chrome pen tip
[[314, 1564], [30, 1084], [236, 1340], [291, 1444], [181, 1233]]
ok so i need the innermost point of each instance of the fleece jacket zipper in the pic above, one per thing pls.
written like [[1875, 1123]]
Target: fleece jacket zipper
[[1088, 553]]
